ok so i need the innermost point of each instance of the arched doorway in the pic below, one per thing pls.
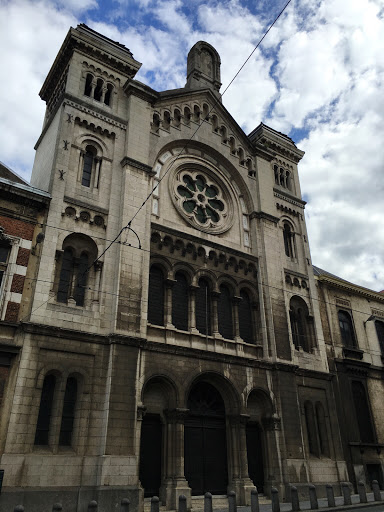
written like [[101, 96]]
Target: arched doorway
[[205, 447], [150, 454], [255, 455]]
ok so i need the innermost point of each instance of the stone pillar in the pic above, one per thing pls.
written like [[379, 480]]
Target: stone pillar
[[175, 483], [96, 290], [141, 410], [74, 277], [215, 323], [169, 283], [97, 160], [236, 323], [272, 466], [241, 482], [192, 309]]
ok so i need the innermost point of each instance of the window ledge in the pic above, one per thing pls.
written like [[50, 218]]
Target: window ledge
[[353, 353]]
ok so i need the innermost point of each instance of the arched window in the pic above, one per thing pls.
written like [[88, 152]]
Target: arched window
[[203, 307], [79, 251], [224, 312], [363, 414], [311, 429], [346, 329], [176, 117], [322, 430], [289, 244], [301, 324], [68, 416], [108, 94], [245, 318], [180, 302], [88, 165], [45, 411], [380, 334], [65, 275], [156, 296], [98, 90], [81, 279], [88, 85]]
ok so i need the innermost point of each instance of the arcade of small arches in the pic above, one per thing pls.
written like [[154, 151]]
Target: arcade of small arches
[[96, 88], [176, 116], [200, 434], [200, 303]]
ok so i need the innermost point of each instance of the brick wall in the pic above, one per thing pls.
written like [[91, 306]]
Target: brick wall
[[19, 228]]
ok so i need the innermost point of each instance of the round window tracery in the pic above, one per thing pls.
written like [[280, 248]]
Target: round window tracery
[[202, 201]]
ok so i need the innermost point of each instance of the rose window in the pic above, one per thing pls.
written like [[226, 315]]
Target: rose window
[[202, 201]]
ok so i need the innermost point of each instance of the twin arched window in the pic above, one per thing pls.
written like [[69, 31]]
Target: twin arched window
[[195, 307], [97, 89], [301, 324], [282, 177], [346, 329], [46, 412], [79, 252], [289, 240], [316, 429]]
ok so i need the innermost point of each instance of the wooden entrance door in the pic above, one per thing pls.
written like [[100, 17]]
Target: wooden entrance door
[[205, 447], [150, 454], [255, 455]]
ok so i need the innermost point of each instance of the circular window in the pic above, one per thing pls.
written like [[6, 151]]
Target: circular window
[[202, 201]]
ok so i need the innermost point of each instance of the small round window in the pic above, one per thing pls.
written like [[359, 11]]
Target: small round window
[[202, 201]]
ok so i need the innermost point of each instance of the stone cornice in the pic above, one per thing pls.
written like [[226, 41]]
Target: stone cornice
[[84, 204], [288, 197], [265, 216], [138, 165], [277, 142], [350, 287], [135, 88], [200, 242]]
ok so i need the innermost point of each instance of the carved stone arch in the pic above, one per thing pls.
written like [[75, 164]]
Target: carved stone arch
[[163, 384], [232, 144], [231, 177], [206, 274], [259, 404], [196, 113], [92, 139], [58, 371], [250, 288], [163, 263], [185, 268], [224, 386], [80, 243], [286, 219], [229, 281]]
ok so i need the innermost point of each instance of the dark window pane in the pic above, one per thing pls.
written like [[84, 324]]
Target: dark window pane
[[362, 412], [322, 429], [224, 311], [81, 280], [4, 253], [98, 90], [311, 429], [245, 318], [107, 98], [156, 296], [45, 411], [180, 302], [68, 416], [346, 329], [65, 276], [88, 85], [203, 308], [380, 334], [87, 169]]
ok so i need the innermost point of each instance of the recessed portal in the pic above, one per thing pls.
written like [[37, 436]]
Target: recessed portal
[[205, 446], [255, 456], [150, 454]]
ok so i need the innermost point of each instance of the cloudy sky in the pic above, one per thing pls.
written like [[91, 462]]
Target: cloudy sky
[[317, 77]]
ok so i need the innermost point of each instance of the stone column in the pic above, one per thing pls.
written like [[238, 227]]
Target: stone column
[[169, 283], [141, 410], [236, 323], [273, 468], [241, 482], [175, 483], [192, 309], [97, 160], [74, 277], [215, 323], [97, 267]]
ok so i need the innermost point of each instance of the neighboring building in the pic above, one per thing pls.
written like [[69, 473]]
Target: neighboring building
[[189, 355], [353, 326], [23, 210]]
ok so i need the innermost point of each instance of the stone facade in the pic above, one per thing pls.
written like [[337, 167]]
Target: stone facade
[[174, 342]]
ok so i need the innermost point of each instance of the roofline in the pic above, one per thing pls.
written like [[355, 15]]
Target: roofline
[[337, 282]]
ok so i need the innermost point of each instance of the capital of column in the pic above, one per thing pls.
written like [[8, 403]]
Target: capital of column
[[272, 423], [169, 283], [141, 410], [177, 415], [236, 299], [239, 419]]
